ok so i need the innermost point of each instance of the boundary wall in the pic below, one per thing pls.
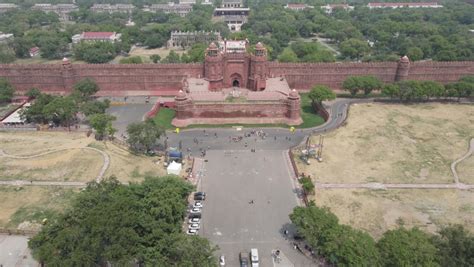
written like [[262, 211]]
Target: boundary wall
[[167, 79]]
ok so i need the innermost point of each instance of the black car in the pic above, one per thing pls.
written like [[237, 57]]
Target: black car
[[199, 196], [244, 259]]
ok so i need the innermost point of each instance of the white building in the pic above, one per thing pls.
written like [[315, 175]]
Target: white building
[[328, 9], [5, 37], [62, 10], [96, 37], [5, 7], [108, 8], [297, 7], [402, 5], [171, 8], [234, 17]]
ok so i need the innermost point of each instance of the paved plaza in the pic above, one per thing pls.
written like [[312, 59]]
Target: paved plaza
[[14, 251], [233, 179]]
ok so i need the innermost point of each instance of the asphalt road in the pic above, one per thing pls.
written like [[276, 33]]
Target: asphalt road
[[14, 251], [127, 114]]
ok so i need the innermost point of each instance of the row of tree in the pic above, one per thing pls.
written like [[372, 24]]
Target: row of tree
[[113, 224], [343, 245], [410, 90]]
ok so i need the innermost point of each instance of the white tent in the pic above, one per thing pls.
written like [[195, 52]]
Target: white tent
[[174, 168]]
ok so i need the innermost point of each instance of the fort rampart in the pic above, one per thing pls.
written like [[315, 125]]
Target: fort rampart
[[166, 79]]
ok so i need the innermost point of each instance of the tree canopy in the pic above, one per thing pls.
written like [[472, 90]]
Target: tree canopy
[[6, 90], [143, 136], [111, 223], [402, 247], [320, 93]]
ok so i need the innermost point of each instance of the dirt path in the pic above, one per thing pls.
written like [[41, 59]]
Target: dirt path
[[453, 165], [99, 177]]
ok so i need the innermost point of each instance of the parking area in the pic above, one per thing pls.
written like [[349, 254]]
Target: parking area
[[249, 196], [126, 114], [14, 251]]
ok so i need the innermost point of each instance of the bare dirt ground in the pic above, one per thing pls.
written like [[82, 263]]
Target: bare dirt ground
[[377, 211], [396, 144], [74, 164], [26, 207]]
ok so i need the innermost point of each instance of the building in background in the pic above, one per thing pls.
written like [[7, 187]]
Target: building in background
[[187, 2], [96, 37], [34, 51], [187, 39], [62, 10], [233, 13], [328, 9], [108, 8], [5, 7], [297, 6], [171, 8], [5, 37], [402, 5]]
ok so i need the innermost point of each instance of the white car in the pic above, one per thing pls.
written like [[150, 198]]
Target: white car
[[222, 261], [194, 226], [192, 232], [197, 204], [194, 220], [195, 210]]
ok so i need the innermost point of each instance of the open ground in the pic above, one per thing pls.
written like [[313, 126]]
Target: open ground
[[397, 144], [68, 160]]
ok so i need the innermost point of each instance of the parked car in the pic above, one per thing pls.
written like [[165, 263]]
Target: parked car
[[197, 204], [192, 232], [195, 210], [194, 215], [222, 260], [199, 194], [199, 197], [244, 259], [194, 226], [254, 257], [194, 220]]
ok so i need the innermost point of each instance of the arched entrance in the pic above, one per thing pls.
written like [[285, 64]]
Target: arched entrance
[[236, 80]]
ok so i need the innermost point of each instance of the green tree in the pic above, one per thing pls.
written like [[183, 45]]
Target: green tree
[[320, 93], [84, 89], [155, 58], [94, 107], [143, 136], [354, 84], [7, 55], [22, 46], [33, 93], [415, 53], [354, 48], [346, 246], [61, 110], [6, 90], [112, 223], [402, 247], [288, 56], [313, 224], [35, 113], [131, 60], [95, 52], [52, 47], [102, 124], [456, 246], [172, 57], [391, 90]]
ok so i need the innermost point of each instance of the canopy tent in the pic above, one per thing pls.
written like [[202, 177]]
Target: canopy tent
[[174, 168]]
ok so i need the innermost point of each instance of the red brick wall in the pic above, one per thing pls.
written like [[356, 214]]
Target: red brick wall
[[165, 79], [228, 110]]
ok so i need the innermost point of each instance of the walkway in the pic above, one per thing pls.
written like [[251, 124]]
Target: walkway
[[453, 165]]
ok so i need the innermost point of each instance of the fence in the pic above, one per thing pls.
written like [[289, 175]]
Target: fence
[[9, 231]]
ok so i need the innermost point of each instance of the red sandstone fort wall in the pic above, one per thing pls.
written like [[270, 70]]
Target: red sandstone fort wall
[[166, 79], [113, 79], [304, 75], [227, 110]]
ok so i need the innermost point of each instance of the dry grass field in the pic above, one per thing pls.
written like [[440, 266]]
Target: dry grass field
[[396, 144], [377, 211], [73, 164], [26, 207], [412, 144]]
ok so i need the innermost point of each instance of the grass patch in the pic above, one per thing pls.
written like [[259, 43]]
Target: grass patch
[[310, 118], [164, 118]]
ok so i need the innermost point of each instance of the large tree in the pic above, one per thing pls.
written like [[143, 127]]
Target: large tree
[[6, 90], [403, 247], [111, 223], [320, 93], [102, 124], [84, 89], [456, 246], [367, 84], [143, 136], [61, 110]]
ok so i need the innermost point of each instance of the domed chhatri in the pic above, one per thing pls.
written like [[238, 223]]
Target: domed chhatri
[[181, 95], [404, 59], [213, 46], [294, 94], [259, 45]]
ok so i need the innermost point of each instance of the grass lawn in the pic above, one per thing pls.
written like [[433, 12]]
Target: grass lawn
[[310, 119]]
